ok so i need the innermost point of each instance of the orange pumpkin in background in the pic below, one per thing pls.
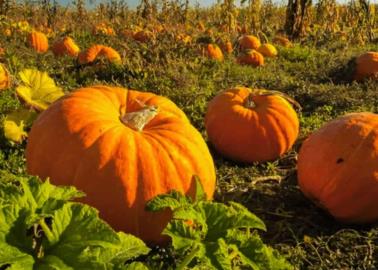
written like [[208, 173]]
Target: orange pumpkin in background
[[92, 53], [38, 41], [250, 57], [122, 148], [282, 41], [214, 52], [227, 47], [338, 167], [366, 66], [251, 125], [143, 36], [247, 42], [67, 46]]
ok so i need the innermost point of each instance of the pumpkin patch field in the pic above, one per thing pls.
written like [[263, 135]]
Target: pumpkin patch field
[[170, 135]]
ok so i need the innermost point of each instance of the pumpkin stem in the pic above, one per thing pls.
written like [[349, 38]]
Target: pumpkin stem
[[263, 37], [138, 119], [249, 103], [263, 92]]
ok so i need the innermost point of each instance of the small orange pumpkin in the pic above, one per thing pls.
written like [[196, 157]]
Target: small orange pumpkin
[[38, 41], [250, 57], [143, 36], [66, 46], [338, 167], [247, 42], [7, 32], [214, 52], [366, 66], [122, 148], [282, 41], [184, 38], [251, 125], [97, 50], [227, 47]]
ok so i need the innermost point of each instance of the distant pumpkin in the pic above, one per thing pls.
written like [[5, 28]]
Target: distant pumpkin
[[366, 66], [268, 50], [38, 41], [67, 46], [249, 125], [227, 47], [214, 52], [7, 32], [250, 57], [143, 36], [184, 38], [89, 55], [4, 78], [282, 41], [249, 42]]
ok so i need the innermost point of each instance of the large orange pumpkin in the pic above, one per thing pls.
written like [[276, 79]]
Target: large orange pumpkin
[[251, 125], [95, 139], [38, 41], [338, 167], [366, 66]]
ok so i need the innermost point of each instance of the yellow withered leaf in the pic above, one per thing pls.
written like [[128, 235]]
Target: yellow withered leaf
[[38, 90], [15, 122]]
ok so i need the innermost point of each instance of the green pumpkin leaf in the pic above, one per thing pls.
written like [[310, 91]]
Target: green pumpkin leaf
[[53, 263], [130, 247], [134, 266], [14, 124], [12, 258], [172, 200], [38, 90], [41, 229], [200, 194], [251, 246], [212, 235]]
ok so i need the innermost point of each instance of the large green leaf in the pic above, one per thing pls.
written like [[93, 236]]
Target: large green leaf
[[211, 235], [41, 229], [38, 90], [14, 258]]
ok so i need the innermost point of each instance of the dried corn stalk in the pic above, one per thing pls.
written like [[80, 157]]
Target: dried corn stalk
[[296, 16]]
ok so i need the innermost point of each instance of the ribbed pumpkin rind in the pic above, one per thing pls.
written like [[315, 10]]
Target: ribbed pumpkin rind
[[250, 135], [338, 167], [38, 41], [80, 141]]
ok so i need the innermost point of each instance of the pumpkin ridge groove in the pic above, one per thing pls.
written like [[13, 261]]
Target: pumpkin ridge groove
[[84, 152], [164, 148]]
